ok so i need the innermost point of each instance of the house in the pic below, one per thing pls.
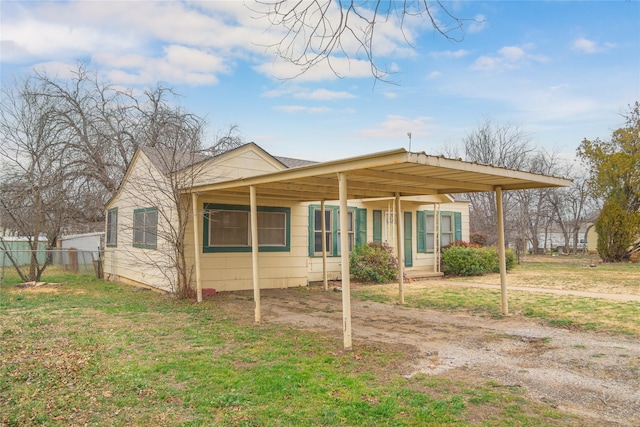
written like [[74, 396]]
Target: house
[[290, 231], [259, 218]]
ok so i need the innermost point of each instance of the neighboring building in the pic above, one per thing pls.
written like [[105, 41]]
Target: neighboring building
[[90, 242]]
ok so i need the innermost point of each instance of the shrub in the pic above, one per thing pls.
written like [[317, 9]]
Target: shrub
[[617, 230], [373, 262], [479, 238], [463, 259]]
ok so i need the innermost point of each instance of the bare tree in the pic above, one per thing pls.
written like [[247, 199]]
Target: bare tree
[[67, 143], [98, 121], [35, 178], [326, 31], [570, 208], [172, 140], [504, 146], [534, 211]]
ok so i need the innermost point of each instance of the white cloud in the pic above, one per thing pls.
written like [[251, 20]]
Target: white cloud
[[179, 64], [302, 109], [434, 75], [450, 53], [507, 58], [589, 46], [324, 95], [136, 42], [397, 126], [390, 95], [332, 70], [478, 24]]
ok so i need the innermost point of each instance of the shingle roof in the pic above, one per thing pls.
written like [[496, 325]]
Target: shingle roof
[[290, 162], [167, 161]]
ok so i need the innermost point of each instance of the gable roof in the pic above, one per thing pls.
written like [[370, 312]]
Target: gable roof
[[167, 161]]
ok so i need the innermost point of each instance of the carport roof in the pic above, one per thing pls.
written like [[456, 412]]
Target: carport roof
[[383, 174]]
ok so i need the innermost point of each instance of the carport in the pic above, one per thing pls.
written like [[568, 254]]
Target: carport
[[393, 174]]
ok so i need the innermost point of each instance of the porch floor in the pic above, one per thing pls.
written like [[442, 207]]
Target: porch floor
[[418, 273]]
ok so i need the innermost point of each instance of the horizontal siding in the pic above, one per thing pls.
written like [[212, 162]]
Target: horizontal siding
[[225, 271]]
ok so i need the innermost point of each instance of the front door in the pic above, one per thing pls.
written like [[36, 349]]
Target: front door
[[408, 243]]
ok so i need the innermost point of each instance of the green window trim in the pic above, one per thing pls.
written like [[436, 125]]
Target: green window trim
[[421, 228], [359, 229], [111, 236], [244, 248], [145, 235]]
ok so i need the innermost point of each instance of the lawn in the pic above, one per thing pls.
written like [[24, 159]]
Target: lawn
[[88, 352], [567, 311]]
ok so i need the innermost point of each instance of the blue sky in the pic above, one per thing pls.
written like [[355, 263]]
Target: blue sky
[[563, 71]]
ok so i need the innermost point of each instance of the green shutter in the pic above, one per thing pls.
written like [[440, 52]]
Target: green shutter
[[457, 224], [312, 217], [377, 226], [361, 227], [421, 231]]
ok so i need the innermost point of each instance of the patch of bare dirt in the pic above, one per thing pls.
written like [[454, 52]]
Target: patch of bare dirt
[[42, 287], [589, 374]]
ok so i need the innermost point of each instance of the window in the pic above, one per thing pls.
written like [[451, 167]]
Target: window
[[357, 229], [145, 228], [227, 228], [446, 230], [317, 231], [431, 235], [450, 229], [350, 226], [112, 227]]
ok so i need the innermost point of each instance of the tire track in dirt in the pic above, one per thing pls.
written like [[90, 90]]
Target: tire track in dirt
[[593, 375]]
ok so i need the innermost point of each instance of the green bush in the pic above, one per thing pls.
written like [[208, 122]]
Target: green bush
[[463, 259], [373, 262], [617, 229]]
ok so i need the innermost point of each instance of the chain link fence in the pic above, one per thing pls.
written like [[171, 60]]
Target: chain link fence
[[58, 262]]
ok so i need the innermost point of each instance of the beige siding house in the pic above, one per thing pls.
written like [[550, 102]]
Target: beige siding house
[[250, 220], [141, 222]]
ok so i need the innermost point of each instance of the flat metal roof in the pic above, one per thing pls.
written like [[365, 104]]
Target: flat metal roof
[[383, 174]]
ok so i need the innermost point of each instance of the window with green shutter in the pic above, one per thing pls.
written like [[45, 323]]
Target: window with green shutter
[[450, 229], [145, 228], [227, 228], [357, 229]]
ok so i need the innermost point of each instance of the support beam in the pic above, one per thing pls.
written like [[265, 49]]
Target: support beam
[[323, 229], [344, 259], [254, 252], [400, 248], [197, 247], [501, 253], [437, 238]]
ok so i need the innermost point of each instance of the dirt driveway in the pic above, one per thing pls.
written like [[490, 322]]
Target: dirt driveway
[[589, 374]]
